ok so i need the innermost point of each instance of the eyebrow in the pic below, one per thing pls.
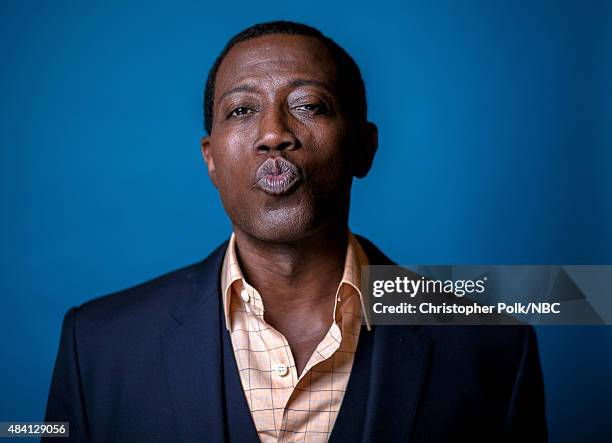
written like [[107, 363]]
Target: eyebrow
[[303, 82], [239, 88], [293, 83]]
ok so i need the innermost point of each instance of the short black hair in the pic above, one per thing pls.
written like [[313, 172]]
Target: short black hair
[[350, 75]]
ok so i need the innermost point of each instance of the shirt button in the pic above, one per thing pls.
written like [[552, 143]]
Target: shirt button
[[244, 295], [281, 370]]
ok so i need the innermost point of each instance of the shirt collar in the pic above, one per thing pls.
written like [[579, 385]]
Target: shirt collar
[[354, 259]]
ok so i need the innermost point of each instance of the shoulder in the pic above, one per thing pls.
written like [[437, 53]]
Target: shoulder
[[144, 306], [139, 302], [496, 345]]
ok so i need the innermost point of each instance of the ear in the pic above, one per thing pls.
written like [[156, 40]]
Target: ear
[[208, 158], [368, 144]]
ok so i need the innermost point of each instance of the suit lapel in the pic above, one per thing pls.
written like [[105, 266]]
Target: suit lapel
[[240, 426], [191, 350], [399, 364], [349, 423]]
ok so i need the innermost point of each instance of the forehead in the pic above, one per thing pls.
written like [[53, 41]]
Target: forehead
[[276, 58]]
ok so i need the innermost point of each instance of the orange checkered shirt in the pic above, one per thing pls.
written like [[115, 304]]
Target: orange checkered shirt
[[286, 406]]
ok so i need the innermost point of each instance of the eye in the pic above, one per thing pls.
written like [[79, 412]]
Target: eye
[[313, 109], [240, 111]]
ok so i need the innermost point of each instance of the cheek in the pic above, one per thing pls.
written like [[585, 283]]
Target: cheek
[[330, 159], [231, 158]]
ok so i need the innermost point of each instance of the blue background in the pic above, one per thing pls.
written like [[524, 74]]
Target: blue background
[[495, 148]]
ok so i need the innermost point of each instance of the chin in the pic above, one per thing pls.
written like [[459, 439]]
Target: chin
[[282, 225]]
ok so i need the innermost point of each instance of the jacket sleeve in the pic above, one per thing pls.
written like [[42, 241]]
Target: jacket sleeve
[[66, 402], [526, 418]]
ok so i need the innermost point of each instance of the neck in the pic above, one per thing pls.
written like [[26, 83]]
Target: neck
[[299, 275]]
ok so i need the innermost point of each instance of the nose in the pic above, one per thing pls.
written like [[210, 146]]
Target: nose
[[275, 133]]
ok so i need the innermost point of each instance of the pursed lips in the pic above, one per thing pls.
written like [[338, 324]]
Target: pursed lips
[[277, 176]]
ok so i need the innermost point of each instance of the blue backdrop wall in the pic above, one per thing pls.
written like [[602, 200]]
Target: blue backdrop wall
[[501, 111]]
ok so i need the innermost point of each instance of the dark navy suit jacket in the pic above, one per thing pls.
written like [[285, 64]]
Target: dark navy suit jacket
[[154, 364]]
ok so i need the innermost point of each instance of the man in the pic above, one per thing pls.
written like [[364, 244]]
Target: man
[[267, 338]]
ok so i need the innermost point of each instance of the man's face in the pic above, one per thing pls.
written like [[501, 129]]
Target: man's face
[[284, 147]]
